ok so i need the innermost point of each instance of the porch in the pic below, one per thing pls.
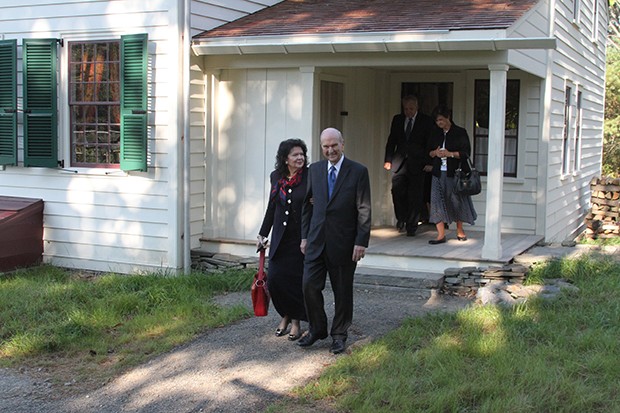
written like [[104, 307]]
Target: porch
[[408, 260]]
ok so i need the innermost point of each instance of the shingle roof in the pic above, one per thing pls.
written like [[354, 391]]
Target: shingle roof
[[303, 17]]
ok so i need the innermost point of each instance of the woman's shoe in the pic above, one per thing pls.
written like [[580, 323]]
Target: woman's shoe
[[437, 241], [281, 330], [294, 327], [463, 238], [294, 337]]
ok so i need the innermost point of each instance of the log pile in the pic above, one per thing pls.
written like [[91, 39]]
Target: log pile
[[603, 220]]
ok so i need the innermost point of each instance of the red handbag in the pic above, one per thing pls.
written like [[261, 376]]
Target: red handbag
[[260, 294]]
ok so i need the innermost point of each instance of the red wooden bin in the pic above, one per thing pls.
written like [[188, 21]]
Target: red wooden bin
[[21, 232]]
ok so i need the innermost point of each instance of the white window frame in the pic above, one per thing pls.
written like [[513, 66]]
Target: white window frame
[[578, 128], [576, 11], [595, 21], [64, 123], [567, 129]]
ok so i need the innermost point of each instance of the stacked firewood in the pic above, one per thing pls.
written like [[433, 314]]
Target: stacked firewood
[[603, 220]]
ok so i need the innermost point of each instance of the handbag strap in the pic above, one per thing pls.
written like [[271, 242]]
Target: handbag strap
[[261, 262], [471, 166]]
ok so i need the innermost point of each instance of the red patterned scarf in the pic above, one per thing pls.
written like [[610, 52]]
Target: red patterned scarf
[[281, 187]]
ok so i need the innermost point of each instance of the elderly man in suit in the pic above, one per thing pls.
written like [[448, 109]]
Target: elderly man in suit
[[407, 158], [335, 233]]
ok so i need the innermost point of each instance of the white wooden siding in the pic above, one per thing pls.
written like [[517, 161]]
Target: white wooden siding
[[198, 122], [577, 61], [105, 219], [208, 14]]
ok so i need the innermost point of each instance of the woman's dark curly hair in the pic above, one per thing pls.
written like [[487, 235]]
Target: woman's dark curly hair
[[284, 149], [442, 110]]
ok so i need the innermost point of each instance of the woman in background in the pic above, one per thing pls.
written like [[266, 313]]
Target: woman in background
[[448, 144], [283, 219]]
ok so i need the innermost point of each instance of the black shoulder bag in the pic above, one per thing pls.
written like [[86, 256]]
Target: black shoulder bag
[[467, 183]]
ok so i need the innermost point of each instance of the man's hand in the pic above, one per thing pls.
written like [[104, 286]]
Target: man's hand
[[387, 166], [428, 168], [358, 252], [302, 246]]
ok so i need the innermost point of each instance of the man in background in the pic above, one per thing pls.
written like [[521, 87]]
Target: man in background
[[407, 158]]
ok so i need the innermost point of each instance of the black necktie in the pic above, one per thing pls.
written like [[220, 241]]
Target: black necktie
[[409, 128]]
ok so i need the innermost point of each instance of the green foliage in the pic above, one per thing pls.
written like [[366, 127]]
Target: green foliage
[[611, 139], [559, 355]]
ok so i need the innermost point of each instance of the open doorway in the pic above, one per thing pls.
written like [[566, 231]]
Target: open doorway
[[430, 94]]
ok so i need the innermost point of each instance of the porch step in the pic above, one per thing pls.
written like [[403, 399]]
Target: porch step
[[398, 278], [209, 260]]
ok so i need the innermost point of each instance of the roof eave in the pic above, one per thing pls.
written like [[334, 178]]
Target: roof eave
[[436, 40]]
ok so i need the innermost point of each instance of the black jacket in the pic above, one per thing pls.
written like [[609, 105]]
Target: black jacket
[[457, 140]]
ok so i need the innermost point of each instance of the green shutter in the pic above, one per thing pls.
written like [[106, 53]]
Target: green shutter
[[40, 100], [134, 61], [8, 102]]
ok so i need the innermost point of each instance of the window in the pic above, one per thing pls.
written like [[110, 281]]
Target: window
[[576, 11], [578, 120], [95, 103], [107, 103], [566, 133], [595, 20], [481, 126]]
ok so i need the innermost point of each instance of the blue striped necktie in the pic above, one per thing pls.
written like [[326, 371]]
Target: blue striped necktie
[[331, 180]]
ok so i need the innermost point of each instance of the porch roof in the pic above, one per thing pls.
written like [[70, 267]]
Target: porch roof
[[330, 26]]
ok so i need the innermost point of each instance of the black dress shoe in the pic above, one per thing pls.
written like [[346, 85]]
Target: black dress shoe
[[400, 225], [309, 339], [337, 346], [437, 241]]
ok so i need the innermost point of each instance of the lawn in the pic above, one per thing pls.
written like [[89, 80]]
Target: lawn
[[86, 329], [542, 356]]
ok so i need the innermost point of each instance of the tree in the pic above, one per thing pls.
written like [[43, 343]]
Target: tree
[[611, 136]]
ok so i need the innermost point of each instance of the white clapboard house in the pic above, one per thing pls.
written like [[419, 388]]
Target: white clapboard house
[[149, 128]]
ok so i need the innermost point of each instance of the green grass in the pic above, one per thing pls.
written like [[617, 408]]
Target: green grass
[[614, 241], [93, 328], [542, 356]]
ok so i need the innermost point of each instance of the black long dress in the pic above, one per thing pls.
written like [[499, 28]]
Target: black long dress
[[286, 262]]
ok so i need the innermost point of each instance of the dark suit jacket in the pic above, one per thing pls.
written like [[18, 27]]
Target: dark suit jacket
[[398, 150], [457, 140], [336, 225], [276, 214]]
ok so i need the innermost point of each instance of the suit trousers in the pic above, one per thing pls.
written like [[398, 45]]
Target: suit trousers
[[341, 279], [400, 184]]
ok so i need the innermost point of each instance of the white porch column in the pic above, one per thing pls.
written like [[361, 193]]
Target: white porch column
[[492, 248], [308, 107]]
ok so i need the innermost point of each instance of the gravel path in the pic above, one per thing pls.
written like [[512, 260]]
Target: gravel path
[[239, 368]]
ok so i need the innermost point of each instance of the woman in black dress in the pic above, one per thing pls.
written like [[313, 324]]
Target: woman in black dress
[[283, 219], [447, 146]]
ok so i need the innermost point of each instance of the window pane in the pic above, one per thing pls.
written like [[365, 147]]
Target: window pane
[[94, 90], [481, 126]]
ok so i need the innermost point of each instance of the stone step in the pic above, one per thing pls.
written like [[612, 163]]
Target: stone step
[[398, 278]]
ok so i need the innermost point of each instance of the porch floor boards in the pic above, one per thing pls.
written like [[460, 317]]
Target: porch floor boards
[[388, 241]]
